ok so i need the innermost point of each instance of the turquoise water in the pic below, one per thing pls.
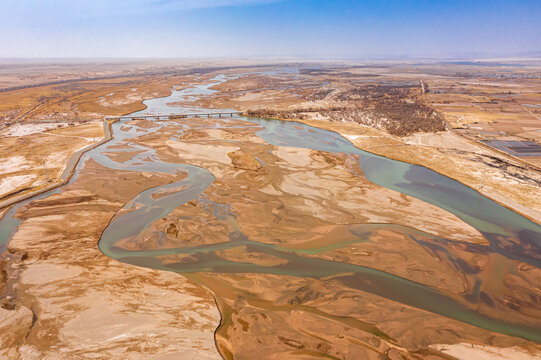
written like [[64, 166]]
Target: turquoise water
[[509, 233]]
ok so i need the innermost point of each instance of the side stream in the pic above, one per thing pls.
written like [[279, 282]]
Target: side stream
[[509, 233]]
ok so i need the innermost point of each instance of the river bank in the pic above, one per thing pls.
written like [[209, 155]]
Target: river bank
[[295, 251], [450, 156], [505, 180]]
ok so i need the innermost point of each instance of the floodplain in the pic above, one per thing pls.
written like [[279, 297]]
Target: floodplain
[[347, 214]]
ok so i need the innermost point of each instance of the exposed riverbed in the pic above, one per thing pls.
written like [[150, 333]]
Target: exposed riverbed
[[509, 237]]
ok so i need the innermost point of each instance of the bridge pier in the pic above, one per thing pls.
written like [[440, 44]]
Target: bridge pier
[[173, 116]]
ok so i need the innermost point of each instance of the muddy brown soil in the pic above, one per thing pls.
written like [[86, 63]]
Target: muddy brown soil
[[506, 180], [85, 304], [34, 156], [71, 301], [305, 199]]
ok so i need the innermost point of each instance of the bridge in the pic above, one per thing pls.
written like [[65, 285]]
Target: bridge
[[175, 116]]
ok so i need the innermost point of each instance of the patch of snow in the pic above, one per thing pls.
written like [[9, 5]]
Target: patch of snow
[[28, 129], [355, 137], [464, 351], [13, 163], [10, 183]]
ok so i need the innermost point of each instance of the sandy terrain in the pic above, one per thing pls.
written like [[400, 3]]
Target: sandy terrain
[[29, 129], [88, 305], [483, 109], [448, 154], [470, 351], [33, 156], [455, 158], [62, 298], [299, 317]]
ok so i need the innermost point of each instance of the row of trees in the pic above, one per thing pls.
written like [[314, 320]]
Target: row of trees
[[396, 109]]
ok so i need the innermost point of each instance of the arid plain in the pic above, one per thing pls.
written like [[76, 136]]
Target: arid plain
[[301, 245]]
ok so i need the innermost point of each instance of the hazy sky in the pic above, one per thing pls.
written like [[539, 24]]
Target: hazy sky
[[284, 28]]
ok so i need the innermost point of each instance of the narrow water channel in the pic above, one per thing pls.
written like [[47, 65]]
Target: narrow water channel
[[510, 234]]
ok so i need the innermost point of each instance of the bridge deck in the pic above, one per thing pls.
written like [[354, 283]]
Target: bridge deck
[[175, 116]]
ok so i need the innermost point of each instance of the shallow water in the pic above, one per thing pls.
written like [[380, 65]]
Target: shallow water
[[509, 233]]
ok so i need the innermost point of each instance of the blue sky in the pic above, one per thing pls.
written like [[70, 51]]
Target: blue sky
[[282, 28]]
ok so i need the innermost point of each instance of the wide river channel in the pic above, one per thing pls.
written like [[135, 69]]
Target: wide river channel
[[510, 234]]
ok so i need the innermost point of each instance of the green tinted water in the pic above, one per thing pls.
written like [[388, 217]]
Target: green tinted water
[[509, 233]]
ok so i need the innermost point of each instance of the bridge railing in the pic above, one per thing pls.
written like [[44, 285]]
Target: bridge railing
[[175, 116]]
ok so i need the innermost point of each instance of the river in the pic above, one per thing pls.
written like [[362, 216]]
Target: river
[[511, 235]]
